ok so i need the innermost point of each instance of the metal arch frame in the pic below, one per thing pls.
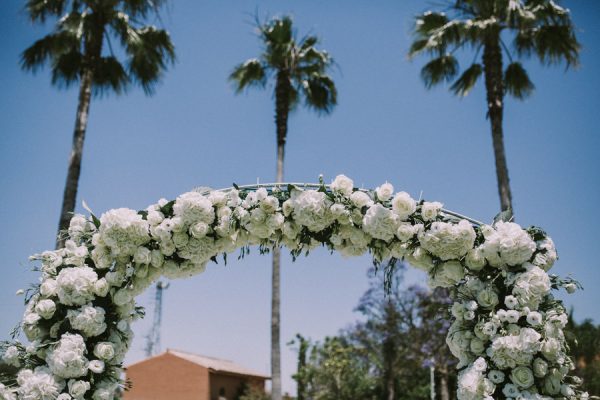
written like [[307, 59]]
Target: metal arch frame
[[280, 185]]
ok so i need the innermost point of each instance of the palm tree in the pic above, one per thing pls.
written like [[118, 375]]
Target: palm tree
[[75, 52], [298, 70], [539, 28]]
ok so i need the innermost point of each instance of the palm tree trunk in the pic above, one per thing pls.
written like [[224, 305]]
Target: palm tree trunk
[[72, 183], [492, 63], [282, 108]]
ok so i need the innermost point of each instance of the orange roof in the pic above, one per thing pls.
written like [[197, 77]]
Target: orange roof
[[213, 364]]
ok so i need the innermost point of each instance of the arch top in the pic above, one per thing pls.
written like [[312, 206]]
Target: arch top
[[507, 327]]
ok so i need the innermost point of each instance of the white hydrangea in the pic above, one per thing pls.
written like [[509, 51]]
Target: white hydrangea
[[380, 222], [75, 285], [11, 356], [88, 319], [193, 207], [531, 286], [7, 393], [67, 358], [512, 350], [472, 382], [312, 209], [447, 240], [507, 244], [38, 384], [123, 230]]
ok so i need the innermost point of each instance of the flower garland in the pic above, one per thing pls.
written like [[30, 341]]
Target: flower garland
[[507, 330]]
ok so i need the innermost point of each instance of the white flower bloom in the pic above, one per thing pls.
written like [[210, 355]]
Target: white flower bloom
[[430, 210], [45, 308], [77, 388], [540, 367], [38, 384], [66, 359], [487, 298], [343, 185], [511, 302], [384, 192], [312, 209], [75, 286], [522, 377], [193, 207], [7, 393], [531, 286], [507, 244], [142, 255], [361, 199], [123, 231], [96, 366], [406, 231], [11, 356], [403, 205], [101, 287], [510, 390], [104, 351], [534, 318], [448, 241], [88, 319], [380, 222], [496, 376], [475, 260], [448, 274]]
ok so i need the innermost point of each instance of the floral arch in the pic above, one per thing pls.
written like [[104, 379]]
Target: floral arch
[[507, 329]]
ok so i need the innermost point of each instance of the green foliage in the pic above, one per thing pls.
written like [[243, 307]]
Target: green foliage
[[539, 28], [385, 356], [81, 40], [584, 343], [249, 392], [294, 63]]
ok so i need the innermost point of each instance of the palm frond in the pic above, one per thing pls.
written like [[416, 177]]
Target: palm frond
[[48, 48], [320, 93], [517, 82], [109, 74], [463, 85], [248, 74], [149, 56], [557, 43], [438, 70], [66, 69], [40, 10]]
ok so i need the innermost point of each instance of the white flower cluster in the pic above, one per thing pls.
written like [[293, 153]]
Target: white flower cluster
[[507, 332]]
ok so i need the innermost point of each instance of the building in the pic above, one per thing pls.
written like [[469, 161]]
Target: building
[[178, 375]]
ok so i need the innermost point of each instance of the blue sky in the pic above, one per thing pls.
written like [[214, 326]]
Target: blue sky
[[196, 132]]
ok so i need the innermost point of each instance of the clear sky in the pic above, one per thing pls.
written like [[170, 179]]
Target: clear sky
[[196, 132]]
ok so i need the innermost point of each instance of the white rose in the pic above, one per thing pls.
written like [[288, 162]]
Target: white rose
[[384, 192], [522, 377], [48, 288], [448, 274], [77, 388], [403, 205], [552, 383], [270, 204], [474, 259], [511, 302], [487, 298], [477, 345], [142, 255], [406, 231], [96, 366], [343, 185], [104, 350], [45, 308], [361, 199], [540, 367], [551, 348], [430, 210], [101, 287]]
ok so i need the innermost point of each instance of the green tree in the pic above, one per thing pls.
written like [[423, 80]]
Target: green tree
[[299, 71], [538, 28], [584, 343], [76, 53]]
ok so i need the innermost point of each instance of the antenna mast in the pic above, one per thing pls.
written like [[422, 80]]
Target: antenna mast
[[153, 338]]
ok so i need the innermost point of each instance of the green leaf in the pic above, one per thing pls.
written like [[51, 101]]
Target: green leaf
[[517, 82], [440, 69], [463, 85]]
